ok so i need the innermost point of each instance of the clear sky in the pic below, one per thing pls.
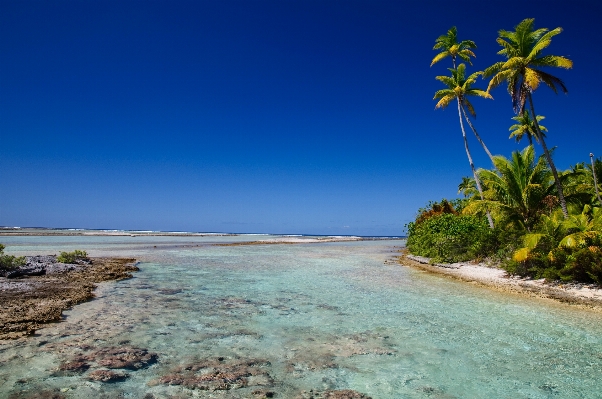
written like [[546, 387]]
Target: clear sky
[[311, 117]]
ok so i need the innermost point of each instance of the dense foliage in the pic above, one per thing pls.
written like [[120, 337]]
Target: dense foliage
[[543, 223], [72, 257], [445, 236], [9, 261]]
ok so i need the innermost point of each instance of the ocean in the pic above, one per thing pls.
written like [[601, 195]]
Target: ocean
[[296, 320]]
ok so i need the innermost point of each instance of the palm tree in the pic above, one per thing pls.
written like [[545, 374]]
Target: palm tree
[[459, 88], [550, 229], [526, 127], [449, 46], [521, 71], [468, 187], [593, 168], [584, 226], [516, 189]]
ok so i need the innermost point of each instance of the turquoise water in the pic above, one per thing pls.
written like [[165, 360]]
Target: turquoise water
[[305, 316]]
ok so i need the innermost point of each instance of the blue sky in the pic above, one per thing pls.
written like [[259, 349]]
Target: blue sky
[[311, 117]]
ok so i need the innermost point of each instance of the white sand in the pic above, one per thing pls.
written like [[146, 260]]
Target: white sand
[[583, 294]]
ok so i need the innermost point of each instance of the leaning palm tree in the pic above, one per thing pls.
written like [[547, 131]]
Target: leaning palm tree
[[450, 47], [459, 88], [525, 126], [516, 189], [523, 48], [595, 165]]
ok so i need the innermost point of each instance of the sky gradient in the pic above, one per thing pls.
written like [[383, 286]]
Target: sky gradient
[[308, 117]]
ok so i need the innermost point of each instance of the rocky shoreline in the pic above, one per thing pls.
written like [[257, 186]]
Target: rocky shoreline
[[584, 295], [38, 292]]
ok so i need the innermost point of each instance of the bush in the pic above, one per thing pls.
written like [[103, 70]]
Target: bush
[[567, 264], [448, 237], [10, 261], [72, 257], [584, 265]]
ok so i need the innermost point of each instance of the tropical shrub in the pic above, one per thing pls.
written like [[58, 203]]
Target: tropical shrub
[[449, 237], [10, 261], [72, 257]]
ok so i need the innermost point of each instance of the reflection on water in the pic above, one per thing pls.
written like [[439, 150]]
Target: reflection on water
[[275, 320]]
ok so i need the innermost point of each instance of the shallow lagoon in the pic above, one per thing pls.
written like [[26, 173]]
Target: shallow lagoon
[[305, 316]]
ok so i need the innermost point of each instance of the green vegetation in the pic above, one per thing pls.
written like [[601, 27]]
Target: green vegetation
[[10, 261], [543, 223], [72, 257], [443, 235]]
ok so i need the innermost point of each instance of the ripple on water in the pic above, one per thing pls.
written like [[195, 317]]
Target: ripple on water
[[301, 321]]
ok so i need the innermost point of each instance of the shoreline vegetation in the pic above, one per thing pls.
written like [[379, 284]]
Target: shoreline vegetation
[[541, 226], [50, 287]]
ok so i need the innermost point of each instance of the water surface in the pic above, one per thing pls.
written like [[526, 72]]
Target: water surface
[[304, 316]]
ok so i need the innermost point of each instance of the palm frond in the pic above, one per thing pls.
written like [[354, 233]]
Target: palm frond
[[469, 107], [552, 61], [492, 70], [498, 78], [531, 79], [479, 93], [449, 81], [552, 81], [443, 92], [543, 41], [439, 57], [444, 102]]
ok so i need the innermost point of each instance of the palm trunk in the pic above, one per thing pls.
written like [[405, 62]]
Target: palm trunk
[[474, 172], [550, 162], [591, 157], [477, 134]]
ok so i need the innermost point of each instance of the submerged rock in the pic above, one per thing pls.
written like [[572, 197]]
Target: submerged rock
[[332, 394], [74, 366], [123, 357], [107, 376], [220, 374], [41, 394]]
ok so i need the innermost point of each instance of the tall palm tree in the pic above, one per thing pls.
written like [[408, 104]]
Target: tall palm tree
[[516, 189], [593, 168], [450, 47], [522, 72], [525, 126], [459, 88]]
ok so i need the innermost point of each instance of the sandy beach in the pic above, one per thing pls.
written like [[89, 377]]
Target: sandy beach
[[585, 295]]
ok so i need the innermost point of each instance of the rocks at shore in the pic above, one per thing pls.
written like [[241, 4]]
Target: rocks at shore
[[30, 300], [40, 265]]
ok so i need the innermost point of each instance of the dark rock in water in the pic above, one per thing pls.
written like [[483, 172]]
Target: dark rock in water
[[335, 394], [107, 376], [74, 366], [221, 374], [123, 357], [261, 394], [42, 394]]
